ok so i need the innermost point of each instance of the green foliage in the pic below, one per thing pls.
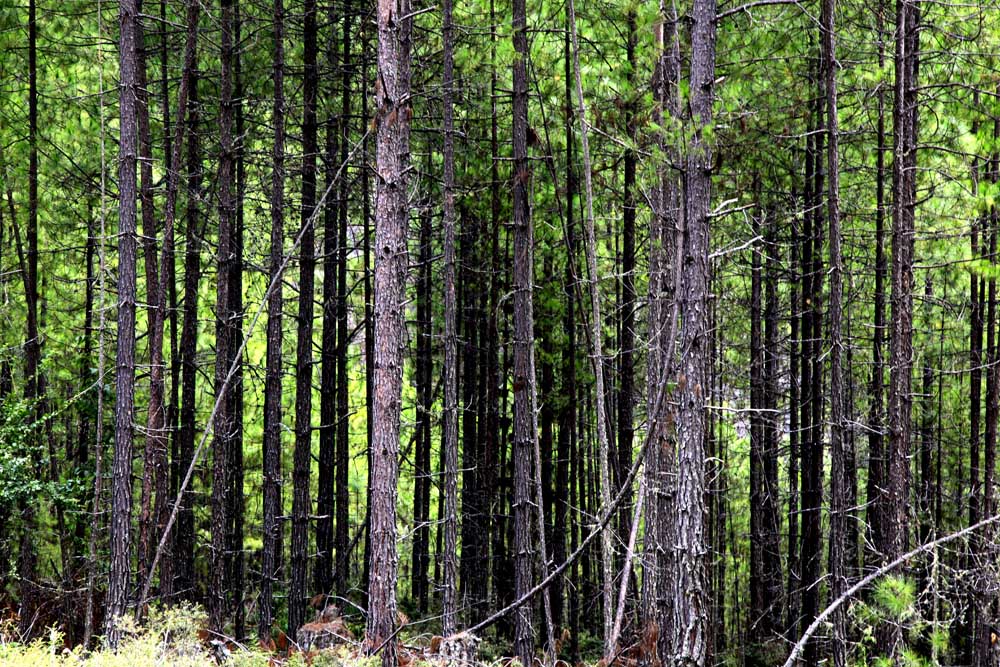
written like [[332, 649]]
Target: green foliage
[[19, 454], [896, 598]]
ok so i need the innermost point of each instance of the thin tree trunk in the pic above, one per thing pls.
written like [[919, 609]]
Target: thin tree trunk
[[327, 461], [839, 463], [157, 424], [449, 424], [422, 436], [341, 539], [225, 425], [597, 354], [876, 410], [184, 545], [121, 487], [272, 506], [234, 531], [893, 539], [301, 464], [33, 390], [524, 381]]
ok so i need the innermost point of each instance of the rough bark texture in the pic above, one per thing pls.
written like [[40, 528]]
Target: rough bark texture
[[272, 529], [524, 380], [342, 563], [184, 572], [393, 112], [892, 540], [301, 463], [121, 486], [839, 463], [689, 591], [449, 417], [225, 426]]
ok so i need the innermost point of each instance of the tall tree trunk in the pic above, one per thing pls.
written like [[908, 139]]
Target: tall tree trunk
[[597, 354], [302, 457], [155, 438], [449, 424], [567, 410], [422, 436], [626, 386], [391, 210], [325, 492], [184, 542], [236, 500], [121, 487], [839, 483], [795, 353], [33, 383], [891, 542], [272, 506], [876, 409], [157, 424], [524, 380], [765, 561], [689, 593], [665, 228], [341, 539], [225, 425]]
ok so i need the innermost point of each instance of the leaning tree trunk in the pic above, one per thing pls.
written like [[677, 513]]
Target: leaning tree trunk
[[597, 354]]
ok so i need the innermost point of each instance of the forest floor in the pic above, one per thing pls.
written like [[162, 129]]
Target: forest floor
[[177, 637]]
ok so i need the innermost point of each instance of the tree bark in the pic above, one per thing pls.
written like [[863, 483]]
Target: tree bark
[[121, 487], [839, 483], [892, 540], [393, 112], [689, 592], [184, 540], [449, 423], [302, 459], [272, 506], [524, 380], [225, 424]]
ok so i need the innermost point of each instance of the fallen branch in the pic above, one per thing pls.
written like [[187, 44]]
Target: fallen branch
[[868, 579]]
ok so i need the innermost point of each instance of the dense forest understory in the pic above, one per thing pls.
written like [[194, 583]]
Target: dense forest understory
[[586, 330]]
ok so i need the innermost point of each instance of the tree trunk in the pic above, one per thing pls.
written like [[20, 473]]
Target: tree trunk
[[272, 506], [33, 385], [839, 483], [341, 539], [893, 538], [392, 122], [689, 593], [597, 354], [184, 541], [121, 487], [422, 436], [449, 417], [327, 462], [524, 380], [302, 458], [225, 425]]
